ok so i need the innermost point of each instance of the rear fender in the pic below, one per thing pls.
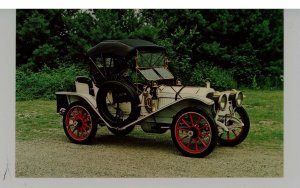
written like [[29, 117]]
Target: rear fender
[[64, 99]]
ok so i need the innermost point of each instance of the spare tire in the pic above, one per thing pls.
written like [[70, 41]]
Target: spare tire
[[118, 103]]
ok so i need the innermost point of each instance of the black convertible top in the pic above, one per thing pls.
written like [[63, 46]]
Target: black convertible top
[[122, 48]]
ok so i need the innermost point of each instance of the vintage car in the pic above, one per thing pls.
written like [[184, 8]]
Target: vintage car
[[130, 85]]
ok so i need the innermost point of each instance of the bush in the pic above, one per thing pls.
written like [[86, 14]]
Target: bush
[[44, 84], [220, 79]]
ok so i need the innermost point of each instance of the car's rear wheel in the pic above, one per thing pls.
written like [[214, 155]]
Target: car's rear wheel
[[194, 132], [79, 123], [236, 135]]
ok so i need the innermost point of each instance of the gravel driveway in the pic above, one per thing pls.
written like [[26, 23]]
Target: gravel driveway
[[139, 155]]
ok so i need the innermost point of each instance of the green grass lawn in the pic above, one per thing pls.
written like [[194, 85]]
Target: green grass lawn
[[38, 119], [35, 118], [265, 109]]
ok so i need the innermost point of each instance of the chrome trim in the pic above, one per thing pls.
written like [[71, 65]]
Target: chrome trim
[[62, 111], [237, 96], [220, 100]]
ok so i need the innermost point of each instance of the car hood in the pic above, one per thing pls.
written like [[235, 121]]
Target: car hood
[[183, 91]]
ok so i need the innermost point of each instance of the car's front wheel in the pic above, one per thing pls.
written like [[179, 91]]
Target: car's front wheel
[[236, 135], [79, 123], [194, 132]]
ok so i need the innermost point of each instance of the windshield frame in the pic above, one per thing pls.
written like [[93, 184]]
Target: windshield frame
[[152, 73], [140, 55]]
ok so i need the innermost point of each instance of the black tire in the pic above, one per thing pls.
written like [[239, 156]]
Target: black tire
[[121, 92], [203, 126], [241, 135], [79, 123], [121, 132]]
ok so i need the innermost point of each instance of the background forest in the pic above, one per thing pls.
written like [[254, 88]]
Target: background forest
[[231, 48]]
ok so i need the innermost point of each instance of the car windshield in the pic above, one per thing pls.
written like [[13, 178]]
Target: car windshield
[[152, 66], [150, 59]]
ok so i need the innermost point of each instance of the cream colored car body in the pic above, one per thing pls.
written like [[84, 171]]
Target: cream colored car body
[[170, 100]]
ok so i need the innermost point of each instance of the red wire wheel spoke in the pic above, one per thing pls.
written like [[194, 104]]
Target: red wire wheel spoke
[[192, 132], [78, 123], [184, 137], [203, 127], [183, 129], [185, 122], [191, 119], [232, 134], [235, 132]]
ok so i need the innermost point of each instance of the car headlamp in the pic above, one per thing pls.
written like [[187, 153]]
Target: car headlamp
[[239, 97], [223, 101]]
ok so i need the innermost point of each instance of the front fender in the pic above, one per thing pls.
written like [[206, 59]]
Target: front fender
[[165, 114]]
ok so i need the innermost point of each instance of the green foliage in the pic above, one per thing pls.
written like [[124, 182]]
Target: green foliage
[[248, 43], [147, 32], [220, 79], [39, 38], [45, 83], [244, 45]]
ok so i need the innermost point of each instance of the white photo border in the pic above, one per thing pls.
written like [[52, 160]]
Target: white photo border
[[291, 123]]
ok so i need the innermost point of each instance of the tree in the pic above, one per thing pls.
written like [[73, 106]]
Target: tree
[[246, 45]]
